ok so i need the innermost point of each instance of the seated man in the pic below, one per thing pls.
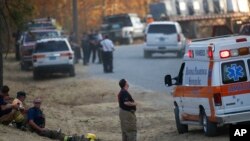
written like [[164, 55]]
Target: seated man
[[7, 111], [20, 116], [36, 122]]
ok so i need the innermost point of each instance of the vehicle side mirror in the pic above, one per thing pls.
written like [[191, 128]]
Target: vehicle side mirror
[[168, 80]]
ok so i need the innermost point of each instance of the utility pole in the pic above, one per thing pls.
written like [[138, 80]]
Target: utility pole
[[75, 20]]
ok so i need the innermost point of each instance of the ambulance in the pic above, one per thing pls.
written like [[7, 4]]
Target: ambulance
[[212, 87]]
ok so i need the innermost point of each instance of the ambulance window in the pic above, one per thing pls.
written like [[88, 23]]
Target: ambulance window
[[233, 72], [180, 75]]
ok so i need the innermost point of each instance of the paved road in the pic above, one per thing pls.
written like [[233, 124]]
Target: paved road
[[146, 73]]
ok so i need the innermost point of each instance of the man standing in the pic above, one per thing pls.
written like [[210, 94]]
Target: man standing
[[127, 112], [108, 48], [85, 48]]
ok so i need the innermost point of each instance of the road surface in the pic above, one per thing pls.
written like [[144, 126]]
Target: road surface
[[145, 73]]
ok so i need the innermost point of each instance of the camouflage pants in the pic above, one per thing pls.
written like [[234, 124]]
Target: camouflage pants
[[8, 118], [128, 125]]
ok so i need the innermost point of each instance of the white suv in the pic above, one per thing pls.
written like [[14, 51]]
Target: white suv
[[51, 56], [163, 37]]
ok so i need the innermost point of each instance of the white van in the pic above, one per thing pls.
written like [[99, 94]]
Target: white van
[[163, 37], [213, 84]]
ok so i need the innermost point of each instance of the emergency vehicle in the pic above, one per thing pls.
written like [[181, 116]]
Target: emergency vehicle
[[212, 87]]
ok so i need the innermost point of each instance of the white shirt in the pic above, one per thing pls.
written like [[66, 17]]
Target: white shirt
[[107, 45]]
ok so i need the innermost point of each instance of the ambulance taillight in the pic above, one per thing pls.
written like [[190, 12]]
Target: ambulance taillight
[[224, 53], [217, 99], [190, 53]]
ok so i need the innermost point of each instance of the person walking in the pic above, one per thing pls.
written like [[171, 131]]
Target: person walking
[[107, 54], [127, 112]]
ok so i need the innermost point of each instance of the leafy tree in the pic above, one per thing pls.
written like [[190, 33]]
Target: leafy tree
[[13, 15]]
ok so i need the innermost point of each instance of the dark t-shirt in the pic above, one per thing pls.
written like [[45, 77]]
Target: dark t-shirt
[[4, 112], [124, 96], [37, 116]]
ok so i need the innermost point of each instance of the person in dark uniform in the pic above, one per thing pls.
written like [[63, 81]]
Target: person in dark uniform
[[36, 123], [93, 45], [127, 112], [107, 54], [85, 49]]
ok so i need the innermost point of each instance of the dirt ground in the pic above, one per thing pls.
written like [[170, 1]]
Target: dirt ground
[[85, 104]]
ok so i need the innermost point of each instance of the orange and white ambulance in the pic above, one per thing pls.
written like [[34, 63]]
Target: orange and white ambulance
[[213, 84]]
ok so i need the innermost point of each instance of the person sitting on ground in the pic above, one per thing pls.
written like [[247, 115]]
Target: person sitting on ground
[[20, 116], [7, 111], [36, 122]]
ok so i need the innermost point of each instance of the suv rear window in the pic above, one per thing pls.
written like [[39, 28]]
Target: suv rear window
[[51, 46], [164, 29], [233, 72]]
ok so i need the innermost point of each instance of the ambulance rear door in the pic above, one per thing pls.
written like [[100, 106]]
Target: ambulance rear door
[[235, 89]]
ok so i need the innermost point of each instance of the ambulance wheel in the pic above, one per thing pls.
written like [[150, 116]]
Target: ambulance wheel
[[181, 128], [209, 128]]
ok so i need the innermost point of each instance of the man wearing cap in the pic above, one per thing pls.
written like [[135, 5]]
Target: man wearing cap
[[127, 112], [36, 122]]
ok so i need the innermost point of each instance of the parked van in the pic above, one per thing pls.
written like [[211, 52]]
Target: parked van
[[163, 37], [213, 84]]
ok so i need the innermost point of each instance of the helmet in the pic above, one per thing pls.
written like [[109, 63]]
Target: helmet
[[91, 136]]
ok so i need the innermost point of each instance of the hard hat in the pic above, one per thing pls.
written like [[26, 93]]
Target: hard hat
[[91, 136]]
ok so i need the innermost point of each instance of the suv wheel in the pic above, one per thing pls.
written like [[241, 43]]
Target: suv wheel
[[72, 71], [182, 128], [24, 67], [36, 75], [147, 54], [209, 128]]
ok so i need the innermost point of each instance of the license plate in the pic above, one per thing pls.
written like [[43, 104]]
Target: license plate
[[52, 58]]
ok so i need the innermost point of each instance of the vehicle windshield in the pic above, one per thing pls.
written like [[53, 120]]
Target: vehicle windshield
[[51, 46], [164, 29], [116, 22], [33, 36]]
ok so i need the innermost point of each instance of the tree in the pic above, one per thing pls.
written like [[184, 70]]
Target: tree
[[13, 15]]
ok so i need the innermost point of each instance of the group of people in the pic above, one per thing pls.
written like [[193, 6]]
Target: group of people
[[94, 44], [16, 112], [33, 119]]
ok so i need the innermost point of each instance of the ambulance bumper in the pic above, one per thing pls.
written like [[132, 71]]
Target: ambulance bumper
[[234, 118]]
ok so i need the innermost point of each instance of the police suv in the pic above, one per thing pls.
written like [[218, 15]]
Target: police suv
[[212, 87]]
